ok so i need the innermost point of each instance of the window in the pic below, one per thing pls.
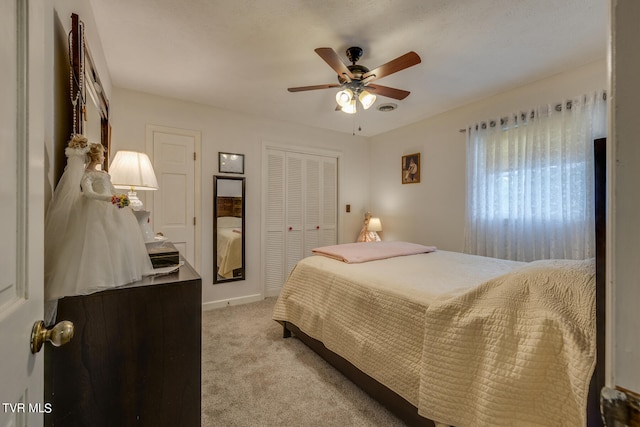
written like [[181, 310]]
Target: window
[[530, 182]]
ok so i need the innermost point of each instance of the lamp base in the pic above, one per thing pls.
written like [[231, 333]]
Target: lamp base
[[145, 225], [368, 236], [134, 201]]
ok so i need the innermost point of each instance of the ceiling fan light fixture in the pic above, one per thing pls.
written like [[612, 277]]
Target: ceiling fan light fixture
[[350, 108], [355, 78], [366, 99], [344, 97]]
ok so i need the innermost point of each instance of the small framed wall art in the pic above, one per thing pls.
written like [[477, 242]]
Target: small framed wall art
[[230, 163], [411, 168]]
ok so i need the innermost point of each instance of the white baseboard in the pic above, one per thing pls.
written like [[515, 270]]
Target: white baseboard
[[212, 305]]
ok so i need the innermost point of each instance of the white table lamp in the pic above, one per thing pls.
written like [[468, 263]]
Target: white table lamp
[[369, 232], [133, 171], [375, 225]]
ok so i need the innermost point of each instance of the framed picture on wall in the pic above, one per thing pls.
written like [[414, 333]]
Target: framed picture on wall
[[230, 163], [411, 168]]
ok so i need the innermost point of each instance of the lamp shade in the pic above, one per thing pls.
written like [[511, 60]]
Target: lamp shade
[[350, 108], [374, 224], [344, 97], [131, 169], [366, 99]]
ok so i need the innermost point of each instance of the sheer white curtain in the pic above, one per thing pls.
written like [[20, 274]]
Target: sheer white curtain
[[530, 182]]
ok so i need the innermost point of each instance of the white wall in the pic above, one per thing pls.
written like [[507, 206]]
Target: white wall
[[238, 133], [432, 212]]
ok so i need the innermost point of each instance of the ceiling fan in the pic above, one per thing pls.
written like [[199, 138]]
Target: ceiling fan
[[355, 80]]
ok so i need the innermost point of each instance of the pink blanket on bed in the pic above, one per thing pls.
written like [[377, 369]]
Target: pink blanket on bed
[[370, 251]]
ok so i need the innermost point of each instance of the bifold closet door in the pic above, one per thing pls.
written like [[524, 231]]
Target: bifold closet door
[[301, 210], [295, 198], [328, 202], [274, 243]]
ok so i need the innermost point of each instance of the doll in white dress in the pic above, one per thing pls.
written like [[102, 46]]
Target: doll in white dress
[[101, 245]]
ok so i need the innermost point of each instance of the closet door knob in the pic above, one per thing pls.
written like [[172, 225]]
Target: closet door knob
[[317, 227], [290, 228]]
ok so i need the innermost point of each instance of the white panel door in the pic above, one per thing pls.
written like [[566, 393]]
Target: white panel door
[[21, 210], [174, 203]]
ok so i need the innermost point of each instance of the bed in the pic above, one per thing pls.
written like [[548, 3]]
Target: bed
[[480, 342], [229, 245]]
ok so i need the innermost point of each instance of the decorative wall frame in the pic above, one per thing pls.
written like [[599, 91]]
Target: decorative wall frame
[[411, 168], [231, 163]]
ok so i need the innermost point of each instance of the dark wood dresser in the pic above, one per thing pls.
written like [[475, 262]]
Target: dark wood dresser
[[135, 356]]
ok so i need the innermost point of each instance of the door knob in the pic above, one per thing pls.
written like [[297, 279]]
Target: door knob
[[59, 335]]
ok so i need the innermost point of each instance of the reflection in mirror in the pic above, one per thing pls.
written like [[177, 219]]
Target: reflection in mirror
[[228, 228], [92, 124]]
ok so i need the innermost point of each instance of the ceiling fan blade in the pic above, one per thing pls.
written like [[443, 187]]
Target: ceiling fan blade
[[331, 57], [303, 88], [389, 92], [400, 63]]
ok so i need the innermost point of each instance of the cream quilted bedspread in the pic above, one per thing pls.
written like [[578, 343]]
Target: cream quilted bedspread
[[517, 351], [372, 314], [470, 341]]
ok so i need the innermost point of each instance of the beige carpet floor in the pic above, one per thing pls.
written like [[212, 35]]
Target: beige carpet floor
[[251, 376]]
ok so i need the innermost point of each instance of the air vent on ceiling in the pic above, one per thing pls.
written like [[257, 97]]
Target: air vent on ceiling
[[385, 108]]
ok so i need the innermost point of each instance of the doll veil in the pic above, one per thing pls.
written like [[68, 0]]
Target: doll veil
[[60, 216]]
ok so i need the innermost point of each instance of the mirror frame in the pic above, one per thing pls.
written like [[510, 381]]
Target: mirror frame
[[81, 61], [242, 270]]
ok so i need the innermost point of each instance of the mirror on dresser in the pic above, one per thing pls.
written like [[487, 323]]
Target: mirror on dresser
[[89, 101], [228, 228]]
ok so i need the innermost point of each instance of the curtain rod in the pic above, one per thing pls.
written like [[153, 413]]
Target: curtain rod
[[557, 107]]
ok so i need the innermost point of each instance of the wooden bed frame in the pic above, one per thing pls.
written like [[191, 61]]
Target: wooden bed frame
[[409, 413]]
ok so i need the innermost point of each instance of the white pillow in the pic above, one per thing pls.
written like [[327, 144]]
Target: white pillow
[[229, 222]]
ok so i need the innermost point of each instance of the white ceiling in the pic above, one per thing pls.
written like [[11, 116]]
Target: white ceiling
[[242, 55]]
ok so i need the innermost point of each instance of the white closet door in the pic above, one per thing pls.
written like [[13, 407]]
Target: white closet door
[[274, 222], [300, 210], [312, 205], [294, 210], [329, 202]]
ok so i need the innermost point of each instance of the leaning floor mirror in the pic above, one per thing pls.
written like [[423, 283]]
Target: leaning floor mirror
[[228, 228]]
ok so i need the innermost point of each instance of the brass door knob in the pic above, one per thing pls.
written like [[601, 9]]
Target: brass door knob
[[59, 335]]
